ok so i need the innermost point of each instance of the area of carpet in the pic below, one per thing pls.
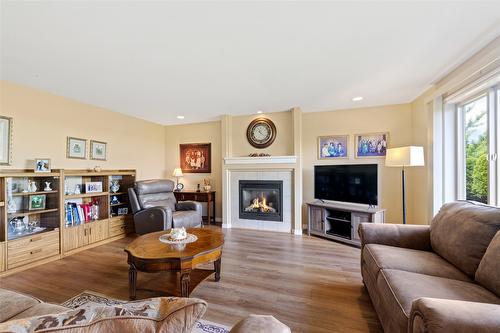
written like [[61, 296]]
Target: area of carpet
[[90, 297]]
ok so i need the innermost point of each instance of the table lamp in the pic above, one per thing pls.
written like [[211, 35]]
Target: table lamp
[[177, 174], [402, 157]]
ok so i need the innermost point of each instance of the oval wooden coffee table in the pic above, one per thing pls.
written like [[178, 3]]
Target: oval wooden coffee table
[[147, 254]]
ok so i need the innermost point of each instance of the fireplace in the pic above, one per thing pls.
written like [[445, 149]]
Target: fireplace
[[261, 200]]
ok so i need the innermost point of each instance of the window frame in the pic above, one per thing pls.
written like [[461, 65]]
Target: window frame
[[492, 95]]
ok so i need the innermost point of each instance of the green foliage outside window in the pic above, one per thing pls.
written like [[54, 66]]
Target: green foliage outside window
[[476, 153]]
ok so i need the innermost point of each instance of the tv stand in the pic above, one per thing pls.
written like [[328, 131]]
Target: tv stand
[[340, 222]]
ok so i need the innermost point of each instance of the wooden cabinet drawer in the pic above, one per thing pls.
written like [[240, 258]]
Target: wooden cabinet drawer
[[187, 196], [29, 249], [119, 226], [33, 242]]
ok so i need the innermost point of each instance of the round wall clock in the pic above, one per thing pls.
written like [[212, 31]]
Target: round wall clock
[[261, 133]]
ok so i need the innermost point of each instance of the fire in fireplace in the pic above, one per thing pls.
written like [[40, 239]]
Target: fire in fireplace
[[261, 200]]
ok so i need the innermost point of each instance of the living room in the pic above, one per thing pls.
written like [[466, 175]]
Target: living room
[[249, 167]]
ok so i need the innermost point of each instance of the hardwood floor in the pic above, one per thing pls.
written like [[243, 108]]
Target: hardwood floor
[[311, 284]]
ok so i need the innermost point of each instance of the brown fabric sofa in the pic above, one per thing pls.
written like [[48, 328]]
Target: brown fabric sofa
[[20, 313], [439, 278]]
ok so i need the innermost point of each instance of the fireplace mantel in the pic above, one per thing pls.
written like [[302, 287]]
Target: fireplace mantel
[[289, 159]]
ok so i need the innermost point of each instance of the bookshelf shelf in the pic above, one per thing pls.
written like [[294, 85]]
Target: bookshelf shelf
[[119, 204], [85, 195], [32, 212], [2, 203], [118, 193], [22, 194], [85, 223]]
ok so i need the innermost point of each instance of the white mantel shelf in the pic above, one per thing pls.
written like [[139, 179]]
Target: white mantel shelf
[[291, 159]]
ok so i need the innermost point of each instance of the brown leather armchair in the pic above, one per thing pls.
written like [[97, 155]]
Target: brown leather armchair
[[155, 207]]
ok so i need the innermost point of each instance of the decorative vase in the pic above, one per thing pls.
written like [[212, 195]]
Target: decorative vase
[[11, 206], [114, 186], [32, 187], [47, 187], [207, 188]]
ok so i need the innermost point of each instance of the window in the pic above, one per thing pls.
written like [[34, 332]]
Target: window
[[476, 149], [477, 132]]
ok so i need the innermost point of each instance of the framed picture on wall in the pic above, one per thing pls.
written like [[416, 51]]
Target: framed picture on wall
[[333, 146], [76, 148], [98, 150], [195, 157], [5, 140], [371, 145]]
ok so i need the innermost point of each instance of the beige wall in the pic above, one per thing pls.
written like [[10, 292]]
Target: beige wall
[[42, 121], [195, 133], [395, 119], [283, 145]]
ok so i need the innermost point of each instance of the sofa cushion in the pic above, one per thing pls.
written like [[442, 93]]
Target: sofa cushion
[[488, 272], [13, 303], [378, 257], [39, 310], [186, 219], [402, 288], [462, 231], [163, 314], [260, 324]]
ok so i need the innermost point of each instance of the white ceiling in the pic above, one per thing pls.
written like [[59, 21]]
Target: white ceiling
[[156, 60]]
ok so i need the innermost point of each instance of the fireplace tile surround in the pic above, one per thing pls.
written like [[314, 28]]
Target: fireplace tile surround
[[267, 175]]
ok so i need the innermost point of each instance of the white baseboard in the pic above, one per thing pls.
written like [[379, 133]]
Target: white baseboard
[[297, 232], [226, 225]]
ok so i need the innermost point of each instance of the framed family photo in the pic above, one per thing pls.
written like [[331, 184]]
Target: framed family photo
[[42, 165], [76, 148], [371, 145], [333, 146], [98, 150], [5, 140], [195, 157]]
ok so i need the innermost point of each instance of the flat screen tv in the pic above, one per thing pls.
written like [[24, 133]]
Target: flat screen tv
[[356, 183]]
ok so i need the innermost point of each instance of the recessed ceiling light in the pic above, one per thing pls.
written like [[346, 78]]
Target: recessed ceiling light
[[180, 117], [357, 99], [259, 112]]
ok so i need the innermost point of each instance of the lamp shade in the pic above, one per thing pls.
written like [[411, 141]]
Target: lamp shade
[[177, 172], [405, 156]]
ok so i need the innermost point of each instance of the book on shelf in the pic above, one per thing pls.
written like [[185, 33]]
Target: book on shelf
[[78, 213]]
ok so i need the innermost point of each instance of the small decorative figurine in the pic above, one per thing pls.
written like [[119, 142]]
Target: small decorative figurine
[[32, 186], [198, 188], [114, 200], [115, 186], [78, 189], [47, 187], [11, 206]]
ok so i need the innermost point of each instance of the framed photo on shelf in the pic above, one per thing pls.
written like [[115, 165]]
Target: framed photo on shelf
[[5, 140], [122, 211], [76, 148], [196, 157], [37, 202], [98, 150], [93, 187], [371, 145], [333, 147], [42, 165]]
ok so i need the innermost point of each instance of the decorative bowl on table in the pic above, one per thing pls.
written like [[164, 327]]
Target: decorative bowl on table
[[177, 234]]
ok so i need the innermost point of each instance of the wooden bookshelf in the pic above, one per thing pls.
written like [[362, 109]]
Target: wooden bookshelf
[[55, 239], [85, 195]]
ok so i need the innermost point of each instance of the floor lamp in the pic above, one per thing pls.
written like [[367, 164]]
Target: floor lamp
[[404, 157]]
